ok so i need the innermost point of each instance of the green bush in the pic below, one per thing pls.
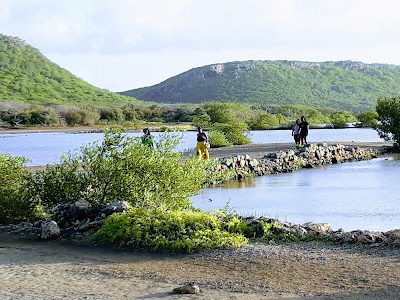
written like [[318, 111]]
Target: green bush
[[59, 183], [16, 203], [264, 120], [234, 133], [340, 118], [388, 125], [173, 230], [368, 119], [123, 169], [218, 139]]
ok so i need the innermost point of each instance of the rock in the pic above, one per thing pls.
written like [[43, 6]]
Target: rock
[[318, 227], [83, 204], [393, 236], [50, 230], [115, 207], [190, 288], [366, 238]]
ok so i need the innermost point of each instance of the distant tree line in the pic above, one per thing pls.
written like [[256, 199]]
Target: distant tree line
[[222, 115]]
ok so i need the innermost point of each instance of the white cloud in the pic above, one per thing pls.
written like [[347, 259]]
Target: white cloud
[[121, 44]]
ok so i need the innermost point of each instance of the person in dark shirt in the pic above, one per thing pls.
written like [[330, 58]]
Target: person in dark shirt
[[147, 138], [304, 126], [202, 144]]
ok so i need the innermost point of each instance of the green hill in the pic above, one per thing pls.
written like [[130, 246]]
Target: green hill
[[28, 76], [345, 85]]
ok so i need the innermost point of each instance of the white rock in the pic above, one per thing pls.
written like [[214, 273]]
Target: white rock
[[50, 230]]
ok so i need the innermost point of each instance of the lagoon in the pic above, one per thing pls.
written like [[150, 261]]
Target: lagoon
[[364, 195], [358, 195], [44, 148]]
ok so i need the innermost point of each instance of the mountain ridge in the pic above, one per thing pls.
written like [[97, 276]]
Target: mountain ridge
[[27, 76], [348, 85]]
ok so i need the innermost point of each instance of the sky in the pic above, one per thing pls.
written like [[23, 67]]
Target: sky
[[120, 45]]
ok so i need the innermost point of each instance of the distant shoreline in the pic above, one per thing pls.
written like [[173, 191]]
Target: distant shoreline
[[153, 127]]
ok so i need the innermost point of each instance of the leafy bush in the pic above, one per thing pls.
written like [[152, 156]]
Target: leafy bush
[[234, 133], [218, 139], [16, 203], [265, 120], [340, 118], [174, 230], [388, 125], [122, 169], [368, 119]]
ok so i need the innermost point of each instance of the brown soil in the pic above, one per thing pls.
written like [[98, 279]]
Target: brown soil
[[34, 269]]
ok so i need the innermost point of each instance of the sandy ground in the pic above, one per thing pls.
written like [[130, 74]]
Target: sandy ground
[[35, 269]]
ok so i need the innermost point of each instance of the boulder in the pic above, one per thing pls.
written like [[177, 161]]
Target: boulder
[[318, 227], [50, 230], [190, 288]]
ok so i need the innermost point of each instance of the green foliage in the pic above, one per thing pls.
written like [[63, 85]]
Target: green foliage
[[313, 115], [265, 120], [16, 202], [79, 115], [28, 76], [111, 115], [234, 133], [340, 118], [388, 125], [218, 139], [173, 230], [230, 120], [36, 115], [342, 85], [123, 169], [369, 118]]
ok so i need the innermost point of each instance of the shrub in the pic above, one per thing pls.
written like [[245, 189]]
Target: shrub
[[16, 203], [234, 133], [340, 118], [122, 169], [388, 125], [173, 230], [368, 119], [218, 139], [265, 120]]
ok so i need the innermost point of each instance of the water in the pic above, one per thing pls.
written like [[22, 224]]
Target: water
[[46, 148], [354, 195], [357, 195]]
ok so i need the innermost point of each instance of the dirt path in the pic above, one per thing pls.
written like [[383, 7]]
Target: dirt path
[[34, 269], [259, 150]]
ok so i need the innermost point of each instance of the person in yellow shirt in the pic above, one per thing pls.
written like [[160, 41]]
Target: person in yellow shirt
[[202, 144]]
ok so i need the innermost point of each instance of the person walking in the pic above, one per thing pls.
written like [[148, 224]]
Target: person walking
[[202, 147], [147, 138], [304, 126], [296, 133]]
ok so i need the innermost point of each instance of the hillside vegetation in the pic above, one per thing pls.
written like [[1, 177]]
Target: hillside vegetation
[[28, 76], [343, 85]]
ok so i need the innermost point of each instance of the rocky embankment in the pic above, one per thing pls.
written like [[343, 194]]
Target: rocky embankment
[[285, 161]]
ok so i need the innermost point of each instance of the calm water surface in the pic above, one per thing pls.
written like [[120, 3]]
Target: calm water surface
[[353, 195], [356, 195], [47, 148]]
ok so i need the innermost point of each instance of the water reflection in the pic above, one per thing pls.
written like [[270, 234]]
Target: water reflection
[[235, 184], [353, 195]]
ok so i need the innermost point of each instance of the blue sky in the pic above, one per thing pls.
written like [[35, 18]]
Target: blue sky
[[124, 44]]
